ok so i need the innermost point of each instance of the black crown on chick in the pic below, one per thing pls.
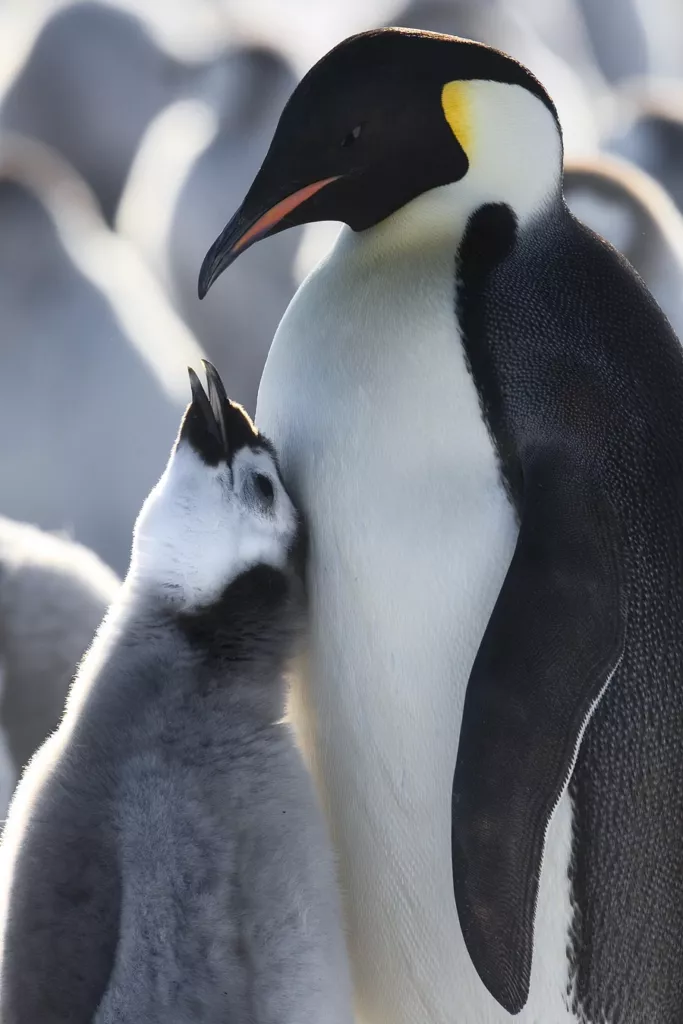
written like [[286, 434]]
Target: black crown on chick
[[213, 425], [368, 129]]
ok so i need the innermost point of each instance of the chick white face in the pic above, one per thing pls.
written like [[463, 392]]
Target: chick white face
[[214, 513]]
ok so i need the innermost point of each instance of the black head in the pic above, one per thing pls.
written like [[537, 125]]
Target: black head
[[216, 427], [364, 133]]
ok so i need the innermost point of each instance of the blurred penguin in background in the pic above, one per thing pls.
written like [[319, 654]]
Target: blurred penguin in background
[[53, 595], [93, 80], [662, 25], [648, 131], [632, 211], [93, 379], [465, 18], [197, 157], [617, 37]]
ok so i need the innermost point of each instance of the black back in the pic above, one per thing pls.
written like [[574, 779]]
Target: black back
[[581, 381]]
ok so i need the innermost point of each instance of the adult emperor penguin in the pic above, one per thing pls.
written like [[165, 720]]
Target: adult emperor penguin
[[480, 409]]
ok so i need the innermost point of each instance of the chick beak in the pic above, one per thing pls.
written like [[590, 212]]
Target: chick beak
[[202, 426], [245, 229], [218, 401]]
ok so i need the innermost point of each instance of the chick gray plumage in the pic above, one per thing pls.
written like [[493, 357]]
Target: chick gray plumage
[[53, 594], [165, 858]]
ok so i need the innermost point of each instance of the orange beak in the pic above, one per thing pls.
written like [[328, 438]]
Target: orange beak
[[234, 240]]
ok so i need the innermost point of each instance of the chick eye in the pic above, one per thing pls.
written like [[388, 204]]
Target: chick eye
[[349, 139], [264, 488]]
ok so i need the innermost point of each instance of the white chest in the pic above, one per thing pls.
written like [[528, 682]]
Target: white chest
[[367, 396]]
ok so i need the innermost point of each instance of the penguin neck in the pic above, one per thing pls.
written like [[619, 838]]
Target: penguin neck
[[147, 653], [514, 149]]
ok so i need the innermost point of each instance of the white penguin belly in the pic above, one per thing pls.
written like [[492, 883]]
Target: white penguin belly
[[367, 396]]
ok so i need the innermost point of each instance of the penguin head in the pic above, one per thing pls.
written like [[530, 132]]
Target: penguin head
[[219, 509], [387, 117]]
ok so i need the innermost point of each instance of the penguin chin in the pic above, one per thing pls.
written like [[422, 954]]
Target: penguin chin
[[359, 200]]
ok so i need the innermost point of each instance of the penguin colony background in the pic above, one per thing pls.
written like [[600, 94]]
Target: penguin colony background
[[444, 274]]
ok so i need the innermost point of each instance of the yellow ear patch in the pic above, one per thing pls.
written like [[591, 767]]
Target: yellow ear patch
[[457, 108]]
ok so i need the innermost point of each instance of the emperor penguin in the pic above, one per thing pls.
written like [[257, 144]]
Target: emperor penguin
[[165, 858], [479, 409]]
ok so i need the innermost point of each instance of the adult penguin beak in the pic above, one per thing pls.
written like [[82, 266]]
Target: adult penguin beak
[[247, 227]]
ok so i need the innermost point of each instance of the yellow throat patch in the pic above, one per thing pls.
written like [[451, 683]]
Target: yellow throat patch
[[457, 109]]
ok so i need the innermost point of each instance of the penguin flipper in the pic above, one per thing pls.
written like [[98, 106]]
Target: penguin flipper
[[553, 642]]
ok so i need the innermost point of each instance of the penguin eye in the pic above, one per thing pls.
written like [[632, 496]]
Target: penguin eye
[[263, 486], [349, 139]]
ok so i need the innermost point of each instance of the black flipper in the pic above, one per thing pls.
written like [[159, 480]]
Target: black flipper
[[554, 640]]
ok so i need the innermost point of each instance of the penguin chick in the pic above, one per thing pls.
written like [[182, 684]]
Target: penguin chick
[[165, 858], [53, 594]]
